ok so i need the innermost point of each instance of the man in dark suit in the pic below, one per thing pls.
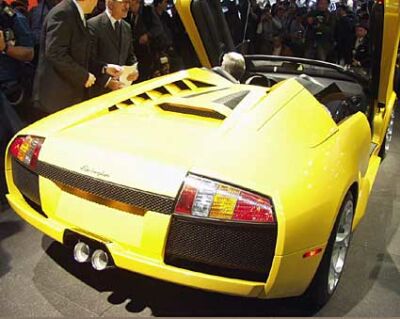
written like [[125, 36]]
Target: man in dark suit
[[361, 54], [141, 40], [62, 77], [111, 44]]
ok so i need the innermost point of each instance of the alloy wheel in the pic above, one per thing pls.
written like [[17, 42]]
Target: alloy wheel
[[340, 246], [389, 133]]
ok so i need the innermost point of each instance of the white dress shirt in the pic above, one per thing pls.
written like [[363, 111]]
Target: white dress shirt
[[112, 20]]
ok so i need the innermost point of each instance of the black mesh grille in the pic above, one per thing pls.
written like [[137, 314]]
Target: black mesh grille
[[107, 190], [229, 249], [26, 181]]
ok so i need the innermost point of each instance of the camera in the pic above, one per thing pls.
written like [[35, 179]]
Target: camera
[[6, 17], [6, 10], [8, 35]]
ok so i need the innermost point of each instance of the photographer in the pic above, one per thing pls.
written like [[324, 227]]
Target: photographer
[[16, 47], [267, 27], [323, 23]]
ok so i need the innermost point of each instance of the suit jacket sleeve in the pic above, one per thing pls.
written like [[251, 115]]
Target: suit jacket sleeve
[[58, 35], [96, 65]]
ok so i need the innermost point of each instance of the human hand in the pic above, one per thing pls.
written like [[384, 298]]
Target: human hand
[[90, 81], [2, 42], [133, 76], [115, 85], [113, 70], [144, 39]]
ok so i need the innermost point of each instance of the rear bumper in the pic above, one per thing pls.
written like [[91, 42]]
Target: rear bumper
[[138, 263], [289, 275]]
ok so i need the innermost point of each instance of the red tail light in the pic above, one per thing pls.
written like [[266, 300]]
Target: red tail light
[[26, 149], [253, 207], [184, 206], [203, 197]]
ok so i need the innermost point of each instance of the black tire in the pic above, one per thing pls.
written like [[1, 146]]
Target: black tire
[[318, 294], [382, 152]]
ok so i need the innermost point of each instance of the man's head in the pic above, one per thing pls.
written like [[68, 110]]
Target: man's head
[[322, 5], [280, 11], [118, 8], [234, 64], [341, 10], [134, 6], [361, 30], [160, 5]]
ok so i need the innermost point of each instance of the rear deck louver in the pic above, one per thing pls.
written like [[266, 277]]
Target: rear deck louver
[[169, 89]]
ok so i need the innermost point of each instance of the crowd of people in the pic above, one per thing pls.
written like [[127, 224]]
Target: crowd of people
[[310, 31]]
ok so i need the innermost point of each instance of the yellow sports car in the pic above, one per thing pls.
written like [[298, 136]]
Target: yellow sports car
[[250, 189]]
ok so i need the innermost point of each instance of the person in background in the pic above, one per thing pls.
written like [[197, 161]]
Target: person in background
[[232, 17], [251, 27], [141, 40], [16, 50], [163, 38], [324, 24], [62, 76], [361, 53], [296, 34], [112, 45], [344, 35], [36, 18], [309, 37], [265, 30]]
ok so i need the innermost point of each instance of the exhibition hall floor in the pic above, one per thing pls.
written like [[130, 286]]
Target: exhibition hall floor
[[39, 278]]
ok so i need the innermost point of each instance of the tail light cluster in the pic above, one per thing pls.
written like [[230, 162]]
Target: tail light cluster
[[26, 149], [203, 197]]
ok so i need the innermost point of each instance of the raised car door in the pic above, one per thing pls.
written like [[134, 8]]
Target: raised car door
[[207, 29], [384, 36]]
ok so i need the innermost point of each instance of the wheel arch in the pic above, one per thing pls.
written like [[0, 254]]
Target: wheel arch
[[354, 189]]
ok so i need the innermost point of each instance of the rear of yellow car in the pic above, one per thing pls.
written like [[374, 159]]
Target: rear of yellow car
[[212, 203]]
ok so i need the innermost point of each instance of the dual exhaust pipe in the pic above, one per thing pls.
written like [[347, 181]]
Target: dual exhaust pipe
[[99, 259]]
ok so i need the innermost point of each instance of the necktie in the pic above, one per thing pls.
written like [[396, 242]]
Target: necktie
[[117, 28]]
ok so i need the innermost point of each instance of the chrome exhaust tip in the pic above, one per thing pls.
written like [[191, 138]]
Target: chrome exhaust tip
[[81, 252], [100, 259]]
